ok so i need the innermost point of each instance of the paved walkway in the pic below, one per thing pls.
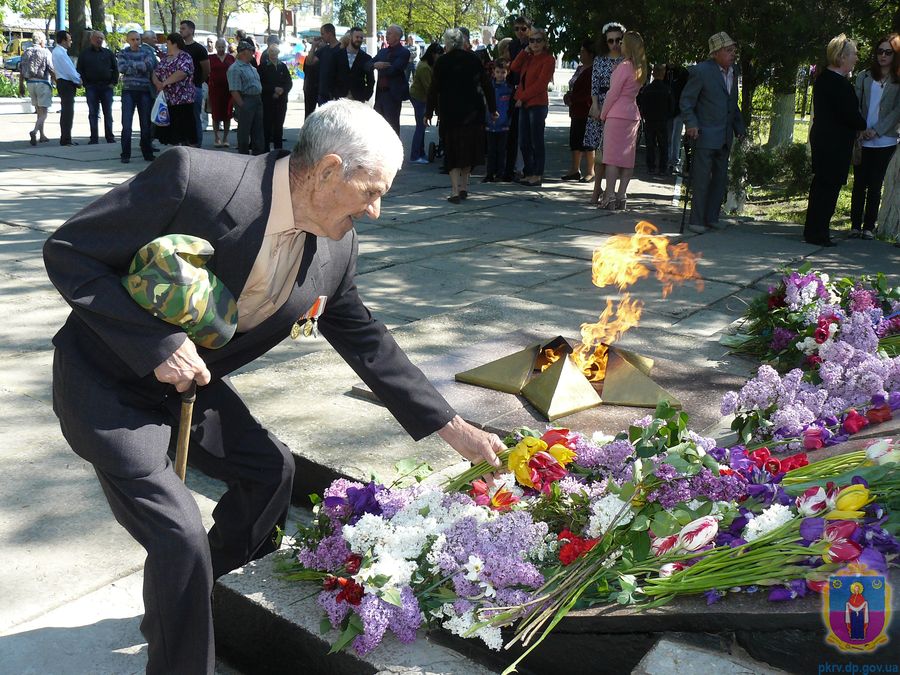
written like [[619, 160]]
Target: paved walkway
[[71, 576]]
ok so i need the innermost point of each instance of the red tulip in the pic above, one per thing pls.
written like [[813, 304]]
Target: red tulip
[[839, 529], [544, 470], [353, 563], [842, 551], [760, 456], [854, 422], [558, 437], [794, 461], [879, 414], [816, 586], [773, 466], [813, 438]]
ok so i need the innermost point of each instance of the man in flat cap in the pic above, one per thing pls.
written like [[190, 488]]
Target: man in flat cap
[[281, 241], [246, 92], [712, 119]]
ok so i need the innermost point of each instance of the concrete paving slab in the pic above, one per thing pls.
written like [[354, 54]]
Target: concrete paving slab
[[478, 227], [672, 657]]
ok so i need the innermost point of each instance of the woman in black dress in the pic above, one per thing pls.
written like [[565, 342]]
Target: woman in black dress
[[836, 123], [460, 92]]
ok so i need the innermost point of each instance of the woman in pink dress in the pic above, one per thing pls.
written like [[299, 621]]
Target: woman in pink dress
[[220, 101], [621, 121]]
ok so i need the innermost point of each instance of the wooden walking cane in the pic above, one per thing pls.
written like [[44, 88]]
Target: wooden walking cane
[[184, 430]]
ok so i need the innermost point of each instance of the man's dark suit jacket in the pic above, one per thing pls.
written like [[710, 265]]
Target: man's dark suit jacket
[[356, 82], [224, 199], [395, 75]]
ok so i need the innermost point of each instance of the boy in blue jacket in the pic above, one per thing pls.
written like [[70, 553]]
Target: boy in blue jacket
[[498, 128]]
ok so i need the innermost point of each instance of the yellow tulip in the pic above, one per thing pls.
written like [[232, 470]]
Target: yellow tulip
[[844, 515], [852, 498], [562, 454], [519, 457]]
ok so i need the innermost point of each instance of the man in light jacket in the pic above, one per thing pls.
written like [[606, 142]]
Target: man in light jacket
[[712, 119]]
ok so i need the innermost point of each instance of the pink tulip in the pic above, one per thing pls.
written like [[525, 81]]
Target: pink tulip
[[662, 545], [698, 533], [839, 529], [669, 569], [812, 502], [843, 551]]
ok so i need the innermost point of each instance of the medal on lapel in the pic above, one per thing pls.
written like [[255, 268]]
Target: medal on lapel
[[306, 324]]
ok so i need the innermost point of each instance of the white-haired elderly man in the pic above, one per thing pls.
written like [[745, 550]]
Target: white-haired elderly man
[[285, 247], [392, 87]]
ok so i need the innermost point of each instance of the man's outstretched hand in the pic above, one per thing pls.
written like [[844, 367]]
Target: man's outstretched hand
[[183, 367], [472, 443]]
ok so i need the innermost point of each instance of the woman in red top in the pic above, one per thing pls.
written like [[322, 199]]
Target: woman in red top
[[220, 101], [621, 120], [578, 98], [535, 67]]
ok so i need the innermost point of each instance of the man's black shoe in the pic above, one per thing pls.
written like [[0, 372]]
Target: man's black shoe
[[68, 143], [125, 160], [93, 142]]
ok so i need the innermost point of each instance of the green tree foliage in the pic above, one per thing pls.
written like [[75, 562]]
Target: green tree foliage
[[430, 18], [351, 13]]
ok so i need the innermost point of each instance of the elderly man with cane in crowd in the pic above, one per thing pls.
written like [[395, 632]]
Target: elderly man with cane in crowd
[[276, 234], [709, 106]]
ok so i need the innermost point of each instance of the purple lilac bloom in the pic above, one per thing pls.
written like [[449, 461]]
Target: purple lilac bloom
[[643, 422], [335, 610], [858, 332], [781, 339], [613, 459], [862, 299], [329, 555], [392, 501], [730, 403], [376, 616]]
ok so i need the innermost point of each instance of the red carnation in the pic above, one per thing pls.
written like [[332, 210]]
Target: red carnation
[[351, 592], [352, 564], [879, 414], [854, 422]]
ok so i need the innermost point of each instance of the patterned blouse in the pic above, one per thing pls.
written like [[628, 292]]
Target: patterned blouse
[[182, 91], [601, 74]]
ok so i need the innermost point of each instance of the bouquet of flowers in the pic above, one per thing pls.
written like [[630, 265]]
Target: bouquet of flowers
[[651, 514], [788, 326]]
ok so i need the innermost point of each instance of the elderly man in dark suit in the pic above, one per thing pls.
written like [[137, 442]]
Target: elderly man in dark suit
[[712, 119], [281, 225], [392, 87], [354, 76]]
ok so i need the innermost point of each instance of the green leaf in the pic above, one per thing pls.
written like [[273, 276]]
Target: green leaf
[[392, 596], [354, 628], [640, 546], [379, 580], [805, 267], [405, 466], [640, 523], [314, 499], [683, 516], [324, 625], [663, 524]]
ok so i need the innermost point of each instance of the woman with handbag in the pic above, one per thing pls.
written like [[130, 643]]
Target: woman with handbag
[[836, 122], [878, 91], [174, 78], [578, 99]]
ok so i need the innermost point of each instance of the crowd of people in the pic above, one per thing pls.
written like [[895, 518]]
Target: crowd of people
[[856, 125], [491, 100], [196, 81]]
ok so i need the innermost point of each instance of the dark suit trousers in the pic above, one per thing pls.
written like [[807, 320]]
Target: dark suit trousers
[[823, 196], [66, 91], [274, 112], [709, 178], [126, 437], [250, 126], [656, 136], [389, 108]]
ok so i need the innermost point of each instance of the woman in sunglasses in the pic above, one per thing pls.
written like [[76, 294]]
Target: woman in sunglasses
[[535, 67], [878, 92], [601, 74]]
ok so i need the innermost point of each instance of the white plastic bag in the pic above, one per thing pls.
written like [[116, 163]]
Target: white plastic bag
[[159, 113]]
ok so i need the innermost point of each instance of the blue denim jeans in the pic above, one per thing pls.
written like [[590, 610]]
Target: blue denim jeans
[[140, 99], [100, 95], [198, 113], [418, 140], [531, 138]]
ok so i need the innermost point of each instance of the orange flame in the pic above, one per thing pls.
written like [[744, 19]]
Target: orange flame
[[620, 262]]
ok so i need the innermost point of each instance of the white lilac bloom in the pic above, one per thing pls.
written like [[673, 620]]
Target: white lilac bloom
[[461, 624], [603, 512], [769, 520]]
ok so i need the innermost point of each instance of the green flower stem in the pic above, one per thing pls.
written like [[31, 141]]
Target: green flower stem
[[477, 471]]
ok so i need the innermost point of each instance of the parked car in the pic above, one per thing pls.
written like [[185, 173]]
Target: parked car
[[11, 63]]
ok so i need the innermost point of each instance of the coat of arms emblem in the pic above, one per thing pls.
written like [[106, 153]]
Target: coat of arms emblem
[[857, 609]]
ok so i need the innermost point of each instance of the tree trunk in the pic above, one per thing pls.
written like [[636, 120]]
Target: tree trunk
[[784, 90], [748, 87], [98, 15], [220, 18], [77, 23], [162, 19]]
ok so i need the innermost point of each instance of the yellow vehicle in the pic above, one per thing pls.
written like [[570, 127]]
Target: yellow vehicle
[[17, 47]]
